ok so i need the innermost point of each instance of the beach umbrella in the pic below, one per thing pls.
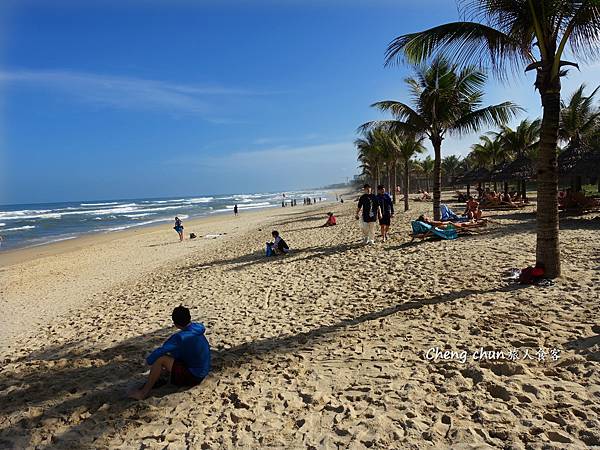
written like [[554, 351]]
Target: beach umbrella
[[577, 161], [521, 169], [478, 174]]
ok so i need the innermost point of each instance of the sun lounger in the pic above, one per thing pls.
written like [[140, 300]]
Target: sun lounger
[[423, 230]]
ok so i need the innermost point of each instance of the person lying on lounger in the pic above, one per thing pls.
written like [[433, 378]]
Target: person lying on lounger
[[445, 225]]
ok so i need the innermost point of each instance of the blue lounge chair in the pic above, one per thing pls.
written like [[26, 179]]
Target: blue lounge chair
[[423, 230]]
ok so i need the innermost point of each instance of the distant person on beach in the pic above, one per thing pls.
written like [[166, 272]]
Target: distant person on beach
[[446, 224], [179, 228], [387, 211], [368, 212], [235, 210], [278, 246], [331, 220], [185, 356]]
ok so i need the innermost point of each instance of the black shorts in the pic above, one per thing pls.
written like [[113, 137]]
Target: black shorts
[[385, 220], [181, 376]]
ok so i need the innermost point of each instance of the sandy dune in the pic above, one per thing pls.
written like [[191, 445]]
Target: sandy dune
[[324, 348]]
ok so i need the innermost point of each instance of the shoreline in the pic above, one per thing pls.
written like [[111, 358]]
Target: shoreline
[[7, 252], [32, 252], [68, 274]]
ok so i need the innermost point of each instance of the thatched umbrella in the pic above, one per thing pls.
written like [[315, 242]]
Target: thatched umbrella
[[577, 161], [521, 169], [478, 174]]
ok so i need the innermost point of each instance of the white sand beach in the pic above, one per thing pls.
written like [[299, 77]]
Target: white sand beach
[[326, 347]]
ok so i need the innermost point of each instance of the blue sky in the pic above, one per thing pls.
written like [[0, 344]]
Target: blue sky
[[107, 99]]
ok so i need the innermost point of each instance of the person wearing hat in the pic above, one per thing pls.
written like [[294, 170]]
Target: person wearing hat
[[185, 356]]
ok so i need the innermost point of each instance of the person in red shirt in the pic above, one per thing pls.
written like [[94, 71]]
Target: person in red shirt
[[331, 220]]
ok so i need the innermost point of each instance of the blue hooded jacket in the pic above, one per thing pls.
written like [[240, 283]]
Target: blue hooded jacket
[[188, 346]]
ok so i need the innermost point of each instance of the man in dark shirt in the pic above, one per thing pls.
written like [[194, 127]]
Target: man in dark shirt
[[387, 211], [369, 206]]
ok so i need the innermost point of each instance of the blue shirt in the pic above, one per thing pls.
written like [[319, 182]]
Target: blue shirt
[[188, 346]]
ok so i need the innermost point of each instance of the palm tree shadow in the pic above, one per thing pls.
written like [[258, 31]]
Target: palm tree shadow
[[91, 384], [589, 347], [241, 262]]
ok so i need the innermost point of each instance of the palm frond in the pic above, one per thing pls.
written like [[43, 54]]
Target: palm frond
[[466, 43]]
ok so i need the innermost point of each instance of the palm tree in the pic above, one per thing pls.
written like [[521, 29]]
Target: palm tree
[[450, 166], [579, 123], [446, 101], [370, 154], [408, 148], [488, 153], [521, 142], [579, 118], [513, 34], [427, 167]]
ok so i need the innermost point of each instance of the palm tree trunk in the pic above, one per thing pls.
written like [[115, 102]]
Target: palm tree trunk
[[468, 190], [389, 177], [523, 186], [547, 248], [406, 183], [395, 181], [437, 176]]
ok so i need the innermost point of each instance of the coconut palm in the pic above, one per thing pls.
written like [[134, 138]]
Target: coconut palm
[[408, 148], [450, 166], [447, 101], [579, 118], [427, 168], [512, 34], [370, 154], [520, 143], [489, 152]]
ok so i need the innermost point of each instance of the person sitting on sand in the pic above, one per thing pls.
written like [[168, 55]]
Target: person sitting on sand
[[279, 246], [472, 210], [331, 220], [185, 356]]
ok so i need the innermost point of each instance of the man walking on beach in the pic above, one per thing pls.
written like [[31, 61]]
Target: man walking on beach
[[185, 356], [368, 204], [235, 210], [387, 211]]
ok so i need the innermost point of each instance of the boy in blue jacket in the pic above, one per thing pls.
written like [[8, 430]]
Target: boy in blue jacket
[[185, 355]]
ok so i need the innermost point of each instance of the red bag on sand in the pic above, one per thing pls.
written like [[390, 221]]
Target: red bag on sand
[[531, 275]]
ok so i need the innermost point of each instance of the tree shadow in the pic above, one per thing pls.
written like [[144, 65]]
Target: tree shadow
[[88, 386], [589, 347], [520, 216], [258, 257]]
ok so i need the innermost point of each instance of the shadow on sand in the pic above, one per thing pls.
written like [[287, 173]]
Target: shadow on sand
[[88, 386]]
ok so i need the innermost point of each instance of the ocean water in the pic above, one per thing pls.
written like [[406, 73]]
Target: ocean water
[[41, 223]]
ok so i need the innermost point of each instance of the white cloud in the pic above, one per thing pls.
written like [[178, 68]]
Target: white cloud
[[276, 167], [127, 92]]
